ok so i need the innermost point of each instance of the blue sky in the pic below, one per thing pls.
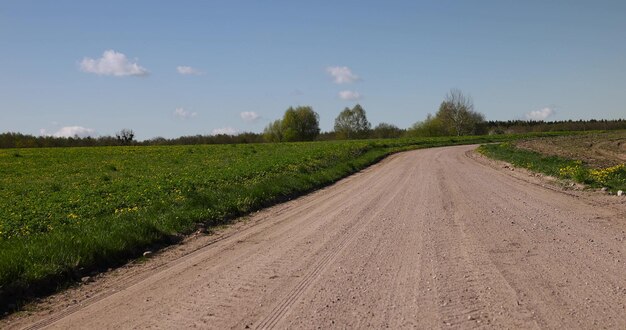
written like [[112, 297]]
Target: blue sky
[[81, 67]]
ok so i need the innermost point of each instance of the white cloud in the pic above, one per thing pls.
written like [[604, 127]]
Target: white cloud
[[71, 131], [224, 131], [349, 95], [540, 114], [184, 114], [342, 74], [249, 116], [112, 63], [187, 70]]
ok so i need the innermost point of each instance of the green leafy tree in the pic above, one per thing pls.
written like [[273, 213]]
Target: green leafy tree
[[300, 124], [386, 131], [352, 124], [431, 126], [273, 132]]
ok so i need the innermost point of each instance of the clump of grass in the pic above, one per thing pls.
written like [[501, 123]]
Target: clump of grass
[[55, 187], [613, 178]]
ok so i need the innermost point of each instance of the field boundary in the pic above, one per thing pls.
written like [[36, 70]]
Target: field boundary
[[611, 179]]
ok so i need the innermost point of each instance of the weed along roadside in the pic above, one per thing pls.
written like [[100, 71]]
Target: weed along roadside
[[69, 212], [611, 179]]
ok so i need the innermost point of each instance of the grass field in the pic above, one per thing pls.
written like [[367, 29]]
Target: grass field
[[65, 212], [597, 160]]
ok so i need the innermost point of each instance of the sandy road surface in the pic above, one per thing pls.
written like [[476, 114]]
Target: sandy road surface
[[426, 239]]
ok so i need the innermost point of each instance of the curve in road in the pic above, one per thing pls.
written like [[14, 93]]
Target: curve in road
[[429, 239]]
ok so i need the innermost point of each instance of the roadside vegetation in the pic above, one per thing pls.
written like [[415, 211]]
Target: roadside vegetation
[[595, 160]]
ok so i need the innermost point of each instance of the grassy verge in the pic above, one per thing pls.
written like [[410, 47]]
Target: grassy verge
[[65, 213], [613, 178]]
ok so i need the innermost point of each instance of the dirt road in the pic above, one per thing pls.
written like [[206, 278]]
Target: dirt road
[[426, 239]]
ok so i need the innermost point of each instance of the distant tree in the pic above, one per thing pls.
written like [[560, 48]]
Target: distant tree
[[157, 140], [386, 131], [125, 136], [300, 124], [457, 114], [352, 123], [342, 124], [326, 136], [273, 132], [431, 126]]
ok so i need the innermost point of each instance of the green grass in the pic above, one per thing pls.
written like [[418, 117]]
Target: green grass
[[65, 212], [613, 178]]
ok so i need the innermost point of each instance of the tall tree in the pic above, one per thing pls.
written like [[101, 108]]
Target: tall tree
[[125, 136], [352, 123], [457, 114], [273, 132], [300, 124]]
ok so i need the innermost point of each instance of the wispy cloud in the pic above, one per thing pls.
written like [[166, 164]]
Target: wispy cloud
[[72, 131], [224, 131], [249, 116], [342, 74], [112, 63], [350, 95], [187, 70], [542, 114], [184, 114]]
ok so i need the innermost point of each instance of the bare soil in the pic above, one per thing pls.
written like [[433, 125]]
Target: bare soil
[[434, 238], [596, 150]]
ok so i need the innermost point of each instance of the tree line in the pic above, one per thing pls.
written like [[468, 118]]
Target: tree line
[[456, 116], [19, 140]]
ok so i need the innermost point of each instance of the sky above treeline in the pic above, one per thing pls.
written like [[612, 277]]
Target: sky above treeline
[[165, 68]]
